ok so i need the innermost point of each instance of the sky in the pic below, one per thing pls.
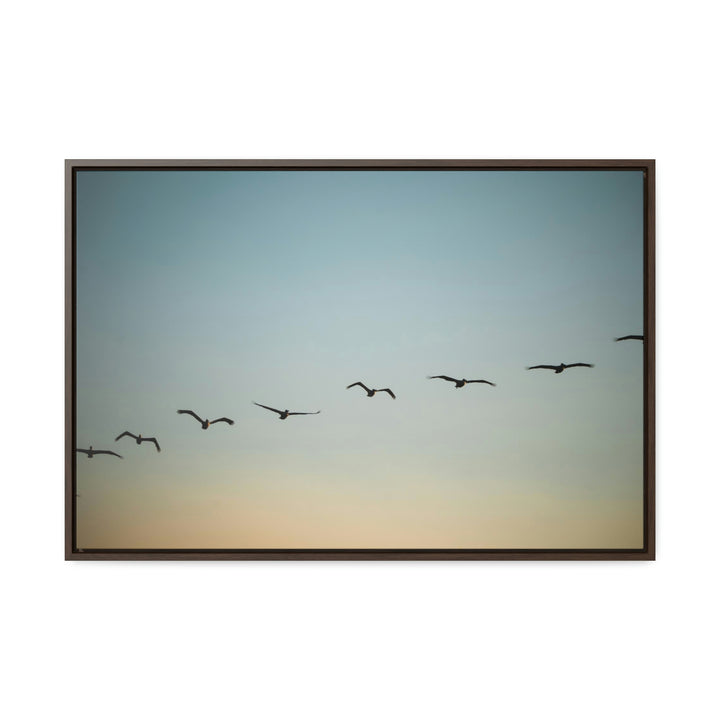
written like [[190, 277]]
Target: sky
[[212, 290]]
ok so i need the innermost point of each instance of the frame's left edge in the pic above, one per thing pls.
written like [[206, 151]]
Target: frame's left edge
[[70, 553]]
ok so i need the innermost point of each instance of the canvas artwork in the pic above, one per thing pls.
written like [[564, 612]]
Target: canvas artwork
[[372, 360]]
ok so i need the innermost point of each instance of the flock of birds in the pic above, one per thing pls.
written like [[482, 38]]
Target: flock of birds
[[284, 414]]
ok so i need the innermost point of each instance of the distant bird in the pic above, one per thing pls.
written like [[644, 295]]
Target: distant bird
[[90, 452], [370, 392], [459, 383], [630, 337], [139, 439], [206, 423], [559, 368], [285, 413]]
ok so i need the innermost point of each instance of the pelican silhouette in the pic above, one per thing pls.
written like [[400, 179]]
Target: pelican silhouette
[[90, 452], [370, 392], [630, 337], [559, 368], [139, 439], [285, 413], [459, 383], [206, 423]]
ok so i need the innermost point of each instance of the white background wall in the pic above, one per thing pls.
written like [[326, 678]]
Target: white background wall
[[367, 640]]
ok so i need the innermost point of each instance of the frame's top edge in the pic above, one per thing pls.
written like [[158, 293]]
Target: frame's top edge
[[359, 163]]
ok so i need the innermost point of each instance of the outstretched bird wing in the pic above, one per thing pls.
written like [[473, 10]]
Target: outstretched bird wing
[[389, 392], [362, 385], [152, 440], [548, 367], [487, 382], [279, 412], [579, 365], [122, 434], [630, 337], [298, 413], [222, 419], [106, 452], [441, 377], [190, 412]]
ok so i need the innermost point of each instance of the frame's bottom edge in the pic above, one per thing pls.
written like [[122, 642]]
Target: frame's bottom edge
[[105, 554]]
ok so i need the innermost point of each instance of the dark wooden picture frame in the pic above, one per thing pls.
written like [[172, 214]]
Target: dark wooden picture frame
[[647, 552]]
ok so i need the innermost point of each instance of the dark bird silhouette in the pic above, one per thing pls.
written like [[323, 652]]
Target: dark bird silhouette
[[285, 413], [370, 392], [90, 452], [559, 368], [630, 337], [459, 383], [205, 423], [139, 439]]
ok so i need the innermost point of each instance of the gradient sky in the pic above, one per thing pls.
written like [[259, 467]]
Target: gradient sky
[[210, 290]]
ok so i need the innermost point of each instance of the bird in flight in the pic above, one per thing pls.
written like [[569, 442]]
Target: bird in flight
[[205, 423], [285, 413], [370, 392], [90, 452], [459, 383], [139, 439], [630, 337], [559, 368]]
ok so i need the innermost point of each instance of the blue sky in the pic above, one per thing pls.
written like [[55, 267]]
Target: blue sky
[[213, 289]]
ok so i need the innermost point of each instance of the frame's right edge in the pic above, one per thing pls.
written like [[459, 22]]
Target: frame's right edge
[[649, 359]]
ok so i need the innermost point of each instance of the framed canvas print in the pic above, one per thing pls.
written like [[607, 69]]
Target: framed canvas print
[[360, 359]]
